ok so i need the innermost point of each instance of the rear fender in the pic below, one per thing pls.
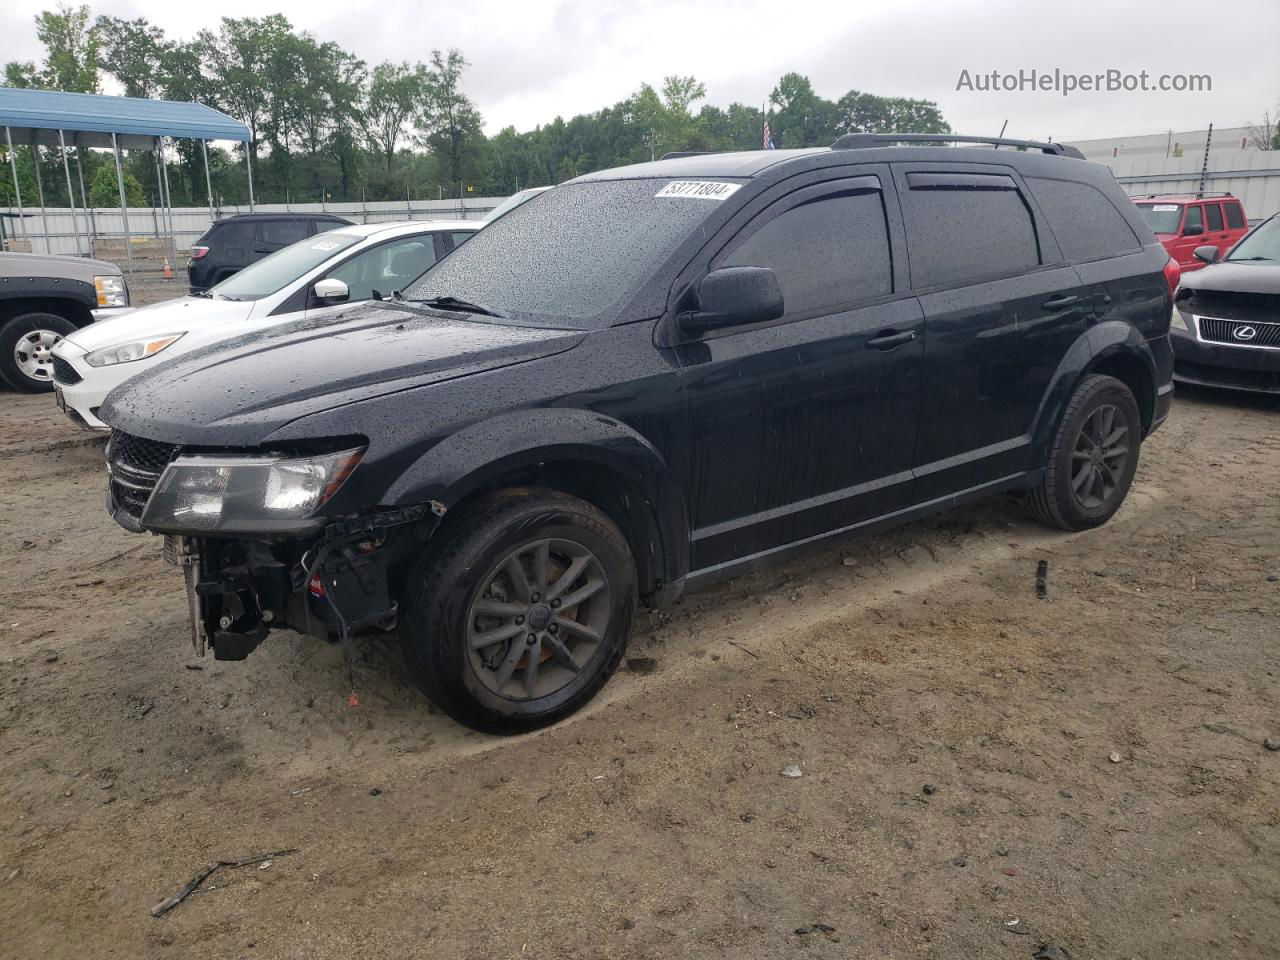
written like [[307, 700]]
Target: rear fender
[[1108, 346]]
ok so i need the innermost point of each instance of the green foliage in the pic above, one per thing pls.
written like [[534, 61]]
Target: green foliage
[[104, 191], [323, 122]]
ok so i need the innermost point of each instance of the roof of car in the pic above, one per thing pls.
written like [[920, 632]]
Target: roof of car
[[283, 215], [1182, 198], [751, 163], [410, 226]]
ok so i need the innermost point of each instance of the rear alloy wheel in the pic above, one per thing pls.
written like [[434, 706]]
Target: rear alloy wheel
[[1093, 458], [520, 612], [26, 345]]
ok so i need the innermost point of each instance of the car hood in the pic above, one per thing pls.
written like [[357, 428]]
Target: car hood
[[38, 264], [238, 392], [1228, 277], [159, 319]]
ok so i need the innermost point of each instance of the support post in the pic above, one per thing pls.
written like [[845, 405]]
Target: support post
[[44, 217], [84, 197], [208, 182], [71, 194], [124, 204], [168, 199], [17, 188], [248, 165]]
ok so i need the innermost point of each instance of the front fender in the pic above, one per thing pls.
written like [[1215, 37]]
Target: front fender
[[483, 451], [1094, 348]]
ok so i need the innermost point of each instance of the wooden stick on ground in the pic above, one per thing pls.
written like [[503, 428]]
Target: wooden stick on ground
[[168, 903]]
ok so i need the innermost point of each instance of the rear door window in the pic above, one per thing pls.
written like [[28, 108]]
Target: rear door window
[[281, 233], [826, 251], [966, 227], [1213, 214], [1195, 221], [1235, 216], [1086, 224], [233, 240]]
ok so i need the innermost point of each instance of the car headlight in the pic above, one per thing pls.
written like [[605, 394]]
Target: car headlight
[[112, 291], [128, 352], [1178, 322], [246, 494]]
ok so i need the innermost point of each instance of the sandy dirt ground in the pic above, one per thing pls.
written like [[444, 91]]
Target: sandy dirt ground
[[1095, 761]]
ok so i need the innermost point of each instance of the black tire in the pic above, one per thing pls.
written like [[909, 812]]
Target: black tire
[[17, 330], [439, 618], [1056, 502]]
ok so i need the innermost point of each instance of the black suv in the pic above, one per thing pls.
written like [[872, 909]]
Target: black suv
[[648, 378], [232, 244]]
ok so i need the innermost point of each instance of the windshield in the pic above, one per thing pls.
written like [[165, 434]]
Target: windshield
[[576, 254], [1162, 217], [1262, 244], [277, 271], [514, 201]]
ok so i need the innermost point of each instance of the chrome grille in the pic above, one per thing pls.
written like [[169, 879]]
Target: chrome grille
[[1239, 333]]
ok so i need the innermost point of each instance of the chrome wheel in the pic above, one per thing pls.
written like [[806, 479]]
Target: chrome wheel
[[33, 354], [538, 618], [1099, 458]]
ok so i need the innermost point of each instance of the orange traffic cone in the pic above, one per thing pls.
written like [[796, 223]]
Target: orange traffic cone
[[168, 270]]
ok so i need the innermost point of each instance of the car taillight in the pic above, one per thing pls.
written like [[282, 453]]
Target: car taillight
[[198, 252], [1172, 274]]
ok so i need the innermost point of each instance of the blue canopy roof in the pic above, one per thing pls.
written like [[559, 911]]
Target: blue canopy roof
[[87, 119]]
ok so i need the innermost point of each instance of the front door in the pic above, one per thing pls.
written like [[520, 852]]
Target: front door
[[806, 424]]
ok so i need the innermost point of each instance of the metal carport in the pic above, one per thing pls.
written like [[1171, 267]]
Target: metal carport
[[51, 118]]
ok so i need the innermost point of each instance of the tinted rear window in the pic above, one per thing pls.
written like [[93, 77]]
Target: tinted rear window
[[957, 234], [1213, 214], [233, 234], [1235, 216], [282, 231], [1086, 224]]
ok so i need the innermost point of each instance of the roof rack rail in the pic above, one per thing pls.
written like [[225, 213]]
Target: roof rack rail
[[862, 141], [677, 154], [1187, 193]]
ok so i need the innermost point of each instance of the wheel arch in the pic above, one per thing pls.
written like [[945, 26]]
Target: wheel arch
[[72, 309], [584, 454], [1112, 348]]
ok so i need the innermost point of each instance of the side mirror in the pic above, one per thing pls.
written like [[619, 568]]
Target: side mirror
[[735, 296], [331, 291], [1208, 253], [1192, 231]]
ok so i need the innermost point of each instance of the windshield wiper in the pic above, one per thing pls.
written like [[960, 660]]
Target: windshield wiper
[[1238, 259], [466, 306]]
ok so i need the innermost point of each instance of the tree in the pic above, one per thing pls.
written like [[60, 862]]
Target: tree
[[133, 51], [802, 118], [1265, 135], [239, 58], [859, 112], [105, 189], [71, 53], [452, 123], [396, 93]]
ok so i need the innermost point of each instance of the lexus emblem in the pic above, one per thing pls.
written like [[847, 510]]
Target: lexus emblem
[[1244, 333]]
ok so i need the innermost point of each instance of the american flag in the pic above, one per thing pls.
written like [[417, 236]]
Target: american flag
[[766, 140]]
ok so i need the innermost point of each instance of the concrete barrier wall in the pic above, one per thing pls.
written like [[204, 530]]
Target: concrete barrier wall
[[55, 231]]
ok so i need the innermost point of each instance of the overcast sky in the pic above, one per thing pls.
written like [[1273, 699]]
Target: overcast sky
[[532, 61]]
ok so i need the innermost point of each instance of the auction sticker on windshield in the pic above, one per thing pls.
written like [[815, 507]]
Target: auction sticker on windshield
[[701, 189], [1165, 207], [324, 245]]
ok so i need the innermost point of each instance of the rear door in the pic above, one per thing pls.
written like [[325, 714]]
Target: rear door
[[273, 235], [1237, 225], [1001, 306], [232, 248], [807, 423]]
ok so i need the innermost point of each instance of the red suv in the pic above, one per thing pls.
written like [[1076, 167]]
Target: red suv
[[1183, 223]]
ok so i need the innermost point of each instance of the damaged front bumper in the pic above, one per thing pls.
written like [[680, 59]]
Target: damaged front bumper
[[331, 587]]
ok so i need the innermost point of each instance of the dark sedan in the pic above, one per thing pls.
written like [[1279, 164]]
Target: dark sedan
[[1226, 320]]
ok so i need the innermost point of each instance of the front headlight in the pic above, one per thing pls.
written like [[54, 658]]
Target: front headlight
[[128, 352], [1177, 322], [246, 495], [112, 291]]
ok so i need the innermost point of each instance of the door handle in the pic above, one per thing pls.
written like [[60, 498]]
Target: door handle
[[890, 339], [1057, 303]]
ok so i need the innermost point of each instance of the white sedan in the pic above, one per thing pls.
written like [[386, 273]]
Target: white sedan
[[315, 276]]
